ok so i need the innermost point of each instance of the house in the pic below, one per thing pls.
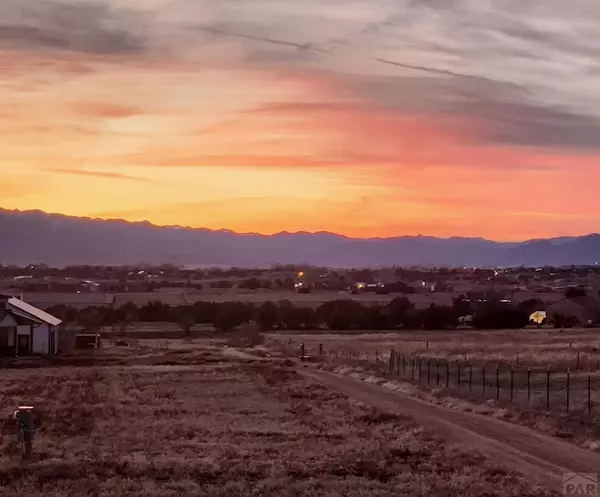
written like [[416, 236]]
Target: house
[[25, 329], [582, 311]]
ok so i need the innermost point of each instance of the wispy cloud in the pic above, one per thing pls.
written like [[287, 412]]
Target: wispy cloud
[[92, 27], [98, 174]]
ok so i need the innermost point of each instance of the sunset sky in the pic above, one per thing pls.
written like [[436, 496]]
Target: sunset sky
[[361, 117]]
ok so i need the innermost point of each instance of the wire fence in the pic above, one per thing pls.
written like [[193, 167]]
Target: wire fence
[[547, 388]]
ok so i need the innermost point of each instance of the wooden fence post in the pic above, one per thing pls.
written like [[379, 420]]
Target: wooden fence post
[[427, 344], [447, 373], [578, 357], [302, 351], [429, 371], [548, 388], [391, 365], [528, 384], [458, 374], [568, 388], [321, 349], [412, 368]]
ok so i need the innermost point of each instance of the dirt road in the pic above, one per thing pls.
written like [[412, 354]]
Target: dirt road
[[535, 455]]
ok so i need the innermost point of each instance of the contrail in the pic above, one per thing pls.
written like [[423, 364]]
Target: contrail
[[299, 46]]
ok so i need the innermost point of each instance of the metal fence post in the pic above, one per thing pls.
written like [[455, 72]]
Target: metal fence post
[[483, 379], [589, 385], [568, 388], [470, 377], [497, 382], [512, 383], [548, 388]]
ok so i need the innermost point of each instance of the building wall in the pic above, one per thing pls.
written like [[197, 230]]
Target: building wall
[[41, 339], [23, 329]]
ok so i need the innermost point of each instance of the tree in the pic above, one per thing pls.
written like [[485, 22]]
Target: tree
[[401, 312], [184, 317], [268, 315], [232, 314], [438, 317], [574, 291]]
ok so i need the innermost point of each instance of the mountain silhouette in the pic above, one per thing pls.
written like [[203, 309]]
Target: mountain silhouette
[[37, 237]]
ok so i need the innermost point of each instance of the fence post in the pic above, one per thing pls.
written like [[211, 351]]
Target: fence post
[[589, 385], [568, 388], [302, 351], [528, 384], [512, 383], [321, 349], [391, 365], [548, 388], [483, 379], [398, 364], [570, 345], [470, 377], [404, 365], [412, 367], [517, 358], [578, 354], [447, 373], [458, 374], [497, 382]]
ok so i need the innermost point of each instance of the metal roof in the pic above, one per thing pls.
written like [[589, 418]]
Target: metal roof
[[29, 311]]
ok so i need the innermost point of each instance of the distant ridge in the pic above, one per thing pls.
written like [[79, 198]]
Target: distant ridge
[[55, 239]]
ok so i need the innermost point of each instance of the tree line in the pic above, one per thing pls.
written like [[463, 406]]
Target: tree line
[[337, 315]]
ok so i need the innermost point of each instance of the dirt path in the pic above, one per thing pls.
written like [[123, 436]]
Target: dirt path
[[542, 458]]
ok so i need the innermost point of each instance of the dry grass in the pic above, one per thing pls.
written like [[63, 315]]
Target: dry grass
[[204, 423], [535, 347]]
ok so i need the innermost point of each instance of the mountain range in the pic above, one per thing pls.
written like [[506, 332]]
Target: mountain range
[[37, 237]]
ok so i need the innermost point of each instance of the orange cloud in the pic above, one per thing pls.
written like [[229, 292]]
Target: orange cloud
[[210, 146]]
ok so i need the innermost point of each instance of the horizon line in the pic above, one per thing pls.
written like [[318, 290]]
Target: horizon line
[[284, 232]]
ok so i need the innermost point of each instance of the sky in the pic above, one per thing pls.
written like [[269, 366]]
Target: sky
[[365, 117]]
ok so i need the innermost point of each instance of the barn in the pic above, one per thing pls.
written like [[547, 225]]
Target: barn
[[25, 329]]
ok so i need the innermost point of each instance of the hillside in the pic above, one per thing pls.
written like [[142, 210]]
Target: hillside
[[34, 236]]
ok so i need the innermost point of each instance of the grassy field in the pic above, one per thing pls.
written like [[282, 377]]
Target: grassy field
[[314, 299], [513, 365], [211, 422], [535, 347]]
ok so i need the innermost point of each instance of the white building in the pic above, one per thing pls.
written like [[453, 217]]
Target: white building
[[25, 329]]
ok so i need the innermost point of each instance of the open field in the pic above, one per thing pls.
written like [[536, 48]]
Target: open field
[[534, 347], [314, 299], [205, 422], [542, 387]]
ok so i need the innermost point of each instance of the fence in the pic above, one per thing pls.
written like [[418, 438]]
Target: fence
[[546, 388]]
